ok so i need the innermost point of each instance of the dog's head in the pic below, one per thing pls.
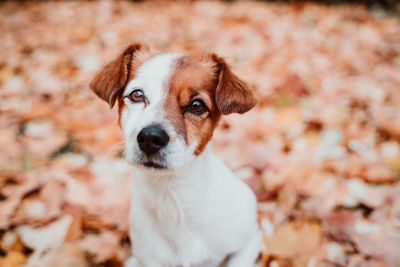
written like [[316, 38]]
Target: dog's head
[[169, 104]]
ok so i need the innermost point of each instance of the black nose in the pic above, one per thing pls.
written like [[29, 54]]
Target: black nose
[[151, 139]]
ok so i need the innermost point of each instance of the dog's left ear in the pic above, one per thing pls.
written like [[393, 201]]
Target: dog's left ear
[[109, 82], [231, 93]]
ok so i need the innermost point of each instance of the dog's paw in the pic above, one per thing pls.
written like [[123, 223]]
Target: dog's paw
[[131, 262]]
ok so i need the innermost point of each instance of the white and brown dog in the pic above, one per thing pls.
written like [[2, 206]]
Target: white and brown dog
[[188, 208]]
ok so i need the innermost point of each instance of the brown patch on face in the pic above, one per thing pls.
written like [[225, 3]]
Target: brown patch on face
[[192, 79], [121, 107]]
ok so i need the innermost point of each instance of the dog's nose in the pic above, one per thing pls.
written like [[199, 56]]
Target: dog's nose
[[151, 139]]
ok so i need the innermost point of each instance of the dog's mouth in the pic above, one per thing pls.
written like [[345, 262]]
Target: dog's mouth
[[154, 165], [154, 162]]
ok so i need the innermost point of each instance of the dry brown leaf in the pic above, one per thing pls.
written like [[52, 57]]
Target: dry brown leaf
[[65, 256], [13, 259], [298, 241], [42, 238], [102, 246]]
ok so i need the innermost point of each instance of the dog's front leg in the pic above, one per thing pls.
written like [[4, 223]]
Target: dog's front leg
[[247, 256]]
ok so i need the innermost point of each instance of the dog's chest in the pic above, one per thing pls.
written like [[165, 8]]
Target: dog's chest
[[170, 224]]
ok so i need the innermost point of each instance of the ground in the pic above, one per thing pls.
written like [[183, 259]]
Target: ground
[[321, 149]]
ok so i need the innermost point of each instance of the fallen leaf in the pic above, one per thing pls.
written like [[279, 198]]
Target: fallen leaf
[[102, 246], [42, 238], [65, 256], [13, 259]]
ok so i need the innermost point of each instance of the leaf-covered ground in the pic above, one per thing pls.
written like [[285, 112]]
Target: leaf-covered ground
[[321, 150]]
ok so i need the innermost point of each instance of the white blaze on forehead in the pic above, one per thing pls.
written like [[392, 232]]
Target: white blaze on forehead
[[153, 79]]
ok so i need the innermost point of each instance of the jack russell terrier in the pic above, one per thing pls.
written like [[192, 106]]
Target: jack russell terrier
[[188, 208]]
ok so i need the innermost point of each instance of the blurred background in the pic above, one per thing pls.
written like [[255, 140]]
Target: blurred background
[[321, 150]]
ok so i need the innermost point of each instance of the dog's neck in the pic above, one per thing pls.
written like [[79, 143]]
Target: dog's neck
[[166, 180], [166, 195]]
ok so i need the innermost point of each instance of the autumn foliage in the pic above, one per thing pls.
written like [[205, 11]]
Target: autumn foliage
[[321, 150]]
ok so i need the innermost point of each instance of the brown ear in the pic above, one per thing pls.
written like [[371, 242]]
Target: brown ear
[[109, 82], [231, 94]]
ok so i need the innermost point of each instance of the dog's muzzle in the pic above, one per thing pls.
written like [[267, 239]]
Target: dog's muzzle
[[152, 139]]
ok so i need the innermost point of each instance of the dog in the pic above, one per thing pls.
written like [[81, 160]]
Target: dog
[[187, 208]]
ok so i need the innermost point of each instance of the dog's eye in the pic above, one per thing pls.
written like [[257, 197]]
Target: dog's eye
[[136, 96], [197, 107]]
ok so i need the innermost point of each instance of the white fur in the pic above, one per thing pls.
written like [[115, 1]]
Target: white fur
[[197, 212]]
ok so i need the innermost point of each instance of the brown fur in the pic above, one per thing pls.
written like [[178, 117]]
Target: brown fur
[[189, 80], [213, 82], [232, 95], [108, 84]]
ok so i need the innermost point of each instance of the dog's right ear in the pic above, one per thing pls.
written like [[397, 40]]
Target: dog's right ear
[[110, 81]]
